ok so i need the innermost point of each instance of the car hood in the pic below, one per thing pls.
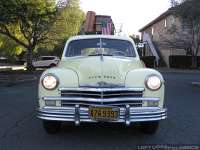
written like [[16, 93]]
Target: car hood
[[97, 71]]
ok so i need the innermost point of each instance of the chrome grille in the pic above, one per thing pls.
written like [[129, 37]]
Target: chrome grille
[[87, 103], [102, 96], [101, 92]]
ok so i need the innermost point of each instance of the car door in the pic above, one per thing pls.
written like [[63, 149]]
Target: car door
[[42, 62], [38, 62], [49, 61]]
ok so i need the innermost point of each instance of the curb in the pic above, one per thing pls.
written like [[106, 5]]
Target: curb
[[11, 67], [5, 69], [179, 71], [197, 84], [13, 83]]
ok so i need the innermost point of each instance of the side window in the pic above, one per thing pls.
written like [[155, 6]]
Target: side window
[[47, 58], [51, 58], [39, 59], [43, 58]]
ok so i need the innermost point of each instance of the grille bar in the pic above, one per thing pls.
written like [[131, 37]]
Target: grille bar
[[133, 103], [101, 92], [101, 89], [153, 99], [101, 96]]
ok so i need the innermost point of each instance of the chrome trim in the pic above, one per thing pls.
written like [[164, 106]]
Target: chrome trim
[[100, 94], [101, 84], [53, 98], [127, 115], [80, 114], [101, 89], [77, 115]]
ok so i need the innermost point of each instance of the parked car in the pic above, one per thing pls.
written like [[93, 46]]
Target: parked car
[[45, 62], [3, 59], [101, 78]]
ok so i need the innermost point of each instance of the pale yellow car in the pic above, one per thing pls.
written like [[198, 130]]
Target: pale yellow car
[[101, 78]]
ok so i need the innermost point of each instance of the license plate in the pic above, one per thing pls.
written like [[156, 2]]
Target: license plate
[[104, 113]]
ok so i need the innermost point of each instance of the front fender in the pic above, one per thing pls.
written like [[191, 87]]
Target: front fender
[[137, 78], [66, 77]]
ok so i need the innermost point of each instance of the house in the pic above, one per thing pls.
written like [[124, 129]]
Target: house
[[98, 24], [160, 40]]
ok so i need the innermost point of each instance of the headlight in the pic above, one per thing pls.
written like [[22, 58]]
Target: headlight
[[153, 82], [50, 81]]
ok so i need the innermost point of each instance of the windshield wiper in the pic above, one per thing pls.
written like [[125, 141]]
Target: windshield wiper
[[100, 55]]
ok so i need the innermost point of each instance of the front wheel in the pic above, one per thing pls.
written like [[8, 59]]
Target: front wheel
[[149, 127], [51, 127]]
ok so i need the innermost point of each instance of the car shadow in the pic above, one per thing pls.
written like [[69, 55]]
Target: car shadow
[[102, 130]]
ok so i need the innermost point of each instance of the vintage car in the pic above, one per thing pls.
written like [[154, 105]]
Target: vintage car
[[101, 78]]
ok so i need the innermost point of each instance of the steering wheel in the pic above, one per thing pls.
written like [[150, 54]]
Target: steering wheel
[[120, 53]]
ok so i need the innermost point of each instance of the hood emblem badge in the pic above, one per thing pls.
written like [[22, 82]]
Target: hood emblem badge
[[103, 84], [99, 77]]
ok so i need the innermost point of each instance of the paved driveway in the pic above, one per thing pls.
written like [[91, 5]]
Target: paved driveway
[[21, 130]]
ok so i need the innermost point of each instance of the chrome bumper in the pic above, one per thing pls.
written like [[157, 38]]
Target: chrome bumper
[[80, 114]]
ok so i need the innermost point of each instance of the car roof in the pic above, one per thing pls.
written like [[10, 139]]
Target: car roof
[[78, 37]]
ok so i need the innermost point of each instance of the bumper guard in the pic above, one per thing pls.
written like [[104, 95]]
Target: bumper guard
[[80, 114]]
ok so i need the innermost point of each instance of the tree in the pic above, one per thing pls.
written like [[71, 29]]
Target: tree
[[27, 22], [55, 23], [69, 21], [189, 13], [10, 49]]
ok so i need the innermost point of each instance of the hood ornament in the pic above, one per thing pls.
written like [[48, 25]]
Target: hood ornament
[[101, 57]]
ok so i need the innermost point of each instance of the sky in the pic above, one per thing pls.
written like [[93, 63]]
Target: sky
[[131, 14]]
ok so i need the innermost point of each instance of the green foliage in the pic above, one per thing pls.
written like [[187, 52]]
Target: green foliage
[[69, 20], [68, 23], [58, 49], [27, 22], [32, 19], [37, 25], [9, 48]]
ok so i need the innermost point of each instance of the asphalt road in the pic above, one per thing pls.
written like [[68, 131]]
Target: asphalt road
[[21, 130]]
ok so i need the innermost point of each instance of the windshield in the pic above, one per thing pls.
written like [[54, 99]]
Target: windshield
[[100, 46]]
